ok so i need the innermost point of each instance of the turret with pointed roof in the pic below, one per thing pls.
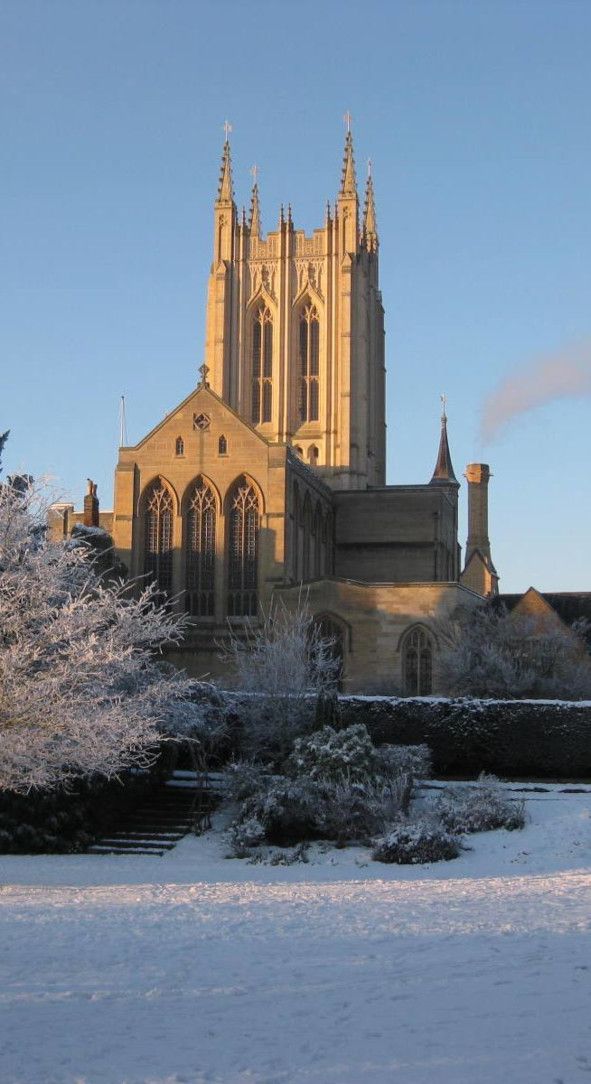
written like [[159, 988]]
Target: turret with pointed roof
[[444, 472]]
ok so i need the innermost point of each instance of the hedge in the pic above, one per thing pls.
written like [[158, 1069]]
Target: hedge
[[511, 738], [539, 738]]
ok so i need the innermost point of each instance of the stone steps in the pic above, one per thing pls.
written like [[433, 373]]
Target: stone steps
[[160, 821]]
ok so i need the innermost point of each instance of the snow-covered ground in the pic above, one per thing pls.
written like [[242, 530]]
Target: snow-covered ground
[[195, 968]]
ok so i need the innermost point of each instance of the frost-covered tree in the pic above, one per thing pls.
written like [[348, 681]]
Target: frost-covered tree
[[281, 663], [489, 651], [81, 688]]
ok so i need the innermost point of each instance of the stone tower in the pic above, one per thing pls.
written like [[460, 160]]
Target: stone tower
[[295, 329]]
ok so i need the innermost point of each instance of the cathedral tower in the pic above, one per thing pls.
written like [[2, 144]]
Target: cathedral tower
[[295, 328]]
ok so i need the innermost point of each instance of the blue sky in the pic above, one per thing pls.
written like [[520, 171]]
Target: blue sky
[[477, 118]]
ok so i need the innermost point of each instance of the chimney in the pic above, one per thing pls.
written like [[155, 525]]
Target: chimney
[[91, 506], [477, 476]]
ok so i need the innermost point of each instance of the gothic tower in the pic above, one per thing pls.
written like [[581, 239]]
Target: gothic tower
[[295, 329]]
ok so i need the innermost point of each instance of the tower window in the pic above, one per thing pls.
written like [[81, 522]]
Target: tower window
[[243, 551], [179, 447], [313, 455], [200, 525], [309, 364], [262, 367], [417, 663], [222, 446], [158, 535]]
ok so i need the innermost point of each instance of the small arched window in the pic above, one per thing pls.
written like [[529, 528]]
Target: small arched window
[[200, 525], [158, 512], [313, 455], [179, 447], [222, 446], [262, 367], [309, 364], [417, 663], [299, 451], [243, 550]]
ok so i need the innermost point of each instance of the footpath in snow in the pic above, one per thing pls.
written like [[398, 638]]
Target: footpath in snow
[[193, 968]]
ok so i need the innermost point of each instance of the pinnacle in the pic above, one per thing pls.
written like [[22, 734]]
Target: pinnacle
[[225, 187], [255, 211], [348, 178], [370, 226]]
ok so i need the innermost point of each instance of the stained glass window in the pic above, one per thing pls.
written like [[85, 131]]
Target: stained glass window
[[243, 546], [200, 527], [158, 535]]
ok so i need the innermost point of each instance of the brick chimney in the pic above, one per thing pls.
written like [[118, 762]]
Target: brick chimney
[[91, 506], [477, 476]]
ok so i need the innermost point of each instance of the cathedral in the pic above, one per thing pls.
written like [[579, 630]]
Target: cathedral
[[268, 481]]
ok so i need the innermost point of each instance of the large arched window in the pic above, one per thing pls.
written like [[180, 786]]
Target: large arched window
[[417, 663], [158, 512], [309, 364], [262, 367], [243, 550], [200, 524]]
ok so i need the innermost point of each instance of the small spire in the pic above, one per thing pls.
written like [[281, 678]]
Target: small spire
[[444, 472], [225, 186], [255, 211], [328, 218], [348, 178], [281, 217], [370, 226]]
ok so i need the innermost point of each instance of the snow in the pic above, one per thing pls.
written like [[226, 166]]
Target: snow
[[199, 969]]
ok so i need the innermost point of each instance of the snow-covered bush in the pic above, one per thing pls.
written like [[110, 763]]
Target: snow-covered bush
[[490, 652], [479, 809], [244, 778], [242, 836], [413, 760], [281, 662], [411, 843], [335, 756], [356, 812], [81, 690], [289, 810], [340, 787]]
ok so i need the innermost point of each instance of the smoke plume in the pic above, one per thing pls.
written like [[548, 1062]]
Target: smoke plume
[[563, 375]]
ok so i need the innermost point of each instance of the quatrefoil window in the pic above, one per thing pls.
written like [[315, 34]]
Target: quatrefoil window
[[201, 421]]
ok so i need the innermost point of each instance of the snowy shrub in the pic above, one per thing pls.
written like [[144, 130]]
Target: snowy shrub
[[489, 651], [413, 760], [289, 856], [411, 843], [289, 810], [243, 779], [242, 836], [281, 662], [479, 809], [335, 756], [355, 812]]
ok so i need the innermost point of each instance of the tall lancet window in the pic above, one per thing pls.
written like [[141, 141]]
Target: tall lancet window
[[158, 512], [417, 663], [309, 364], [262, 367], [243, 550], [200, 551]]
